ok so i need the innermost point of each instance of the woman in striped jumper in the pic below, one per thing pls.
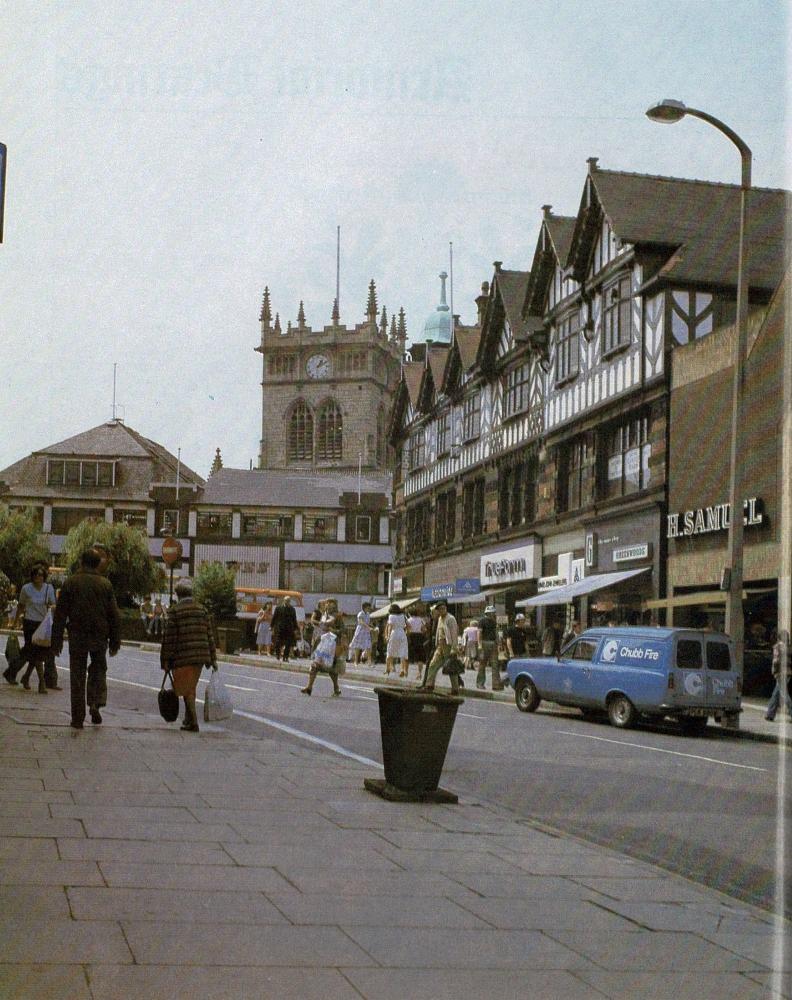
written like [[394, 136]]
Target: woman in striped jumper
[[187, 647]]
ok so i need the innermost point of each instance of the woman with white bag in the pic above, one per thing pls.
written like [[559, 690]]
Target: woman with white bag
[[329, 656], [187, 646], [36, 599]]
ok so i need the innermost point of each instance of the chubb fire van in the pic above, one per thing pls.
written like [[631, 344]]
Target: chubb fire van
[[686, 674]]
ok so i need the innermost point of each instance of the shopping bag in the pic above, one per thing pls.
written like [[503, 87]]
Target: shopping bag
[[217, 701], [43, 634], [168, 700], [324, 654], [13, 653]]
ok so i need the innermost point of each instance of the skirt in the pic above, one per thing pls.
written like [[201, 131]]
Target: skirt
[[185, 680], [397, 644], [415, 645], [361, 639], [264, 634]]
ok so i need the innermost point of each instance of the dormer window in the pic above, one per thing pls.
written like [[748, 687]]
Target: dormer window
[[81, 473], [567, 346], [617, 318]]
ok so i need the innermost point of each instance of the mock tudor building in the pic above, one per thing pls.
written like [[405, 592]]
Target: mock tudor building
[[111, 473], [327, 393]]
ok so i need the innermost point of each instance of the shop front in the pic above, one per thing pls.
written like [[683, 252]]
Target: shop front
[[509, 573]]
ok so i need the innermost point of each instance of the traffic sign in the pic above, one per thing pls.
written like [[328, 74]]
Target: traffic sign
[[171, 551]]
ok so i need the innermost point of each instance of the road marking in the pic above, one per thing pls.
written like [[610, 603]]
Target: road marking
[[676, 753], [298, 733], [235, 687]]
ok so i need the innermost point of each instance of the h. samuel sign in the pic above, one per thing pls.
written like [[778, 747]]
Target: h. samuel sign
[[709, 519]]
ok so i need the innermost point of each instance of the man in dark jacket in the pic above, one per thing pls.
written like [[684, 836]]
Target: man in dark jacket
[[87, 604], [284, 629]]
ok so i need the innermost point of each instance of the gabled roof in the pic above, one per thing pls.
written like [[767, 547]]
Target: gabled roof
[[438, 357], [699, 217], [280, 488], [506, 298], [412, 374], [552, 248], [512, 285], [467, 339]]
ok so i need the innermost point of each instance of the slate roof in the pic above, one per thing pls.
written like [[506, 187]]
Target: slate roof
[[412, 372], [512, 286], [281, 488], [701, 218], [467, 339], [438, 356], [561, 228]]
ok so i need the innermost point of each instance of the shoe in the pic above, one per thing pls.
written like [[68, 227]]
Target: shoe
[[769, 718], [76, 725], [8, 677], [336, 694], [305, 690], [56, 687], [480, 687], [186, 724], [192, 728], [96, 717], [42, 688], [26, 683]]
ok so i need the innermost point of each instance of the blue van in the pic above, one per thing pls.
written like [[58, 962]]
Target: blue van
[[688, 674]]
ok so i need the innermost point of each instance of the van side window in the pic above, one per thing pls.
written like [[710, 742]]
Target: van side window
[[718, 656], [688, 654], [584, 649]]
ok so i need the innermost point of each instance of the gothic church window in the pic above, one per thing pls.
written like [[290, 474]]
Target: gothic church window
[[330, 433], [301, 432]]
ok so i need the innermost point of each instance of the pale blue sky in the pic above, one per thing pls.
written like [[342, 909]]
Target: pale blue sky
[[166, 161]]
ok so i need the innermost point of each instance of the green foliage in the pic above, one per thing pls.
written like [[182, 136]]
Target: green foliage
[[132, 571], [5, 593], [21, 545], [215, 588]]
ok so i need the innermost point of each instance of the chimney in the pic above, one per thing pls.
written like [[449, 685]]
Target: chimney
[[497, 264], [592, 164], [547, 211], [481, 301]]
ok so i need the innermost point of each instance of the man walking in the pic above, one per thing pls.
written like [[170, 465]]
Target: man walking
[[780, 668], [87, 605], [284, 629], [446, 634], [488, 629]]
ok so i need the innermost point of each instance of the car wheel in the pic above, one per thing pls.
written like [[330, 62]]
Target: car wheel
[[693, 725], [526, 696], [621, 712]]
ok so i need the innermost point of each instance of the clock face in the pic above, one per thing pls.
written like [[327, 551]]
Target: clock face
[[318, 366]]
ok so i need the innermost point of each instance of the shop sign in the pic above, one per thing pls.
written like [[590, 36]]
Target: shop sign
[[710, 519], [437, 591], [508, 566], [577, 570], [398, 585], [629, 552], [550, 583], [467, 585], [591, 550]]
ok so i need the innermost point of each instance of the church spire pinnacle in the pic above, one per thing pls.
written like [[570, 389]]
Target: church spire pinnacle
[[301, 316], [371, 305], [336, 313], [217, 463], [393, 329], [277, 323], [402, 329], [265, 316], [384, 322]]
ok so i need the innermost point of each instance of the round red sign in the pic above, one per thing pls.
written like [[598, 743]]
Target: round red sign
[[171, 551]]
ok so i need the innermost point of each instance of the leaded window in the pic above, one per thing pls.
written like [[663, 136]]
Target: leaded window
[[575, 460], [626, 457], [445, 518], [567, 346], [330, 435], [473, 507], [301, 432], [444, 434], [617, 319], [516, 394], [417, 450], [471, 417]]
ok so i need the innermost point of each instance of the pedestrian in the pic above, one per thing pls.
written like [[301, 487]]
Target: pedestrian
[[517, 637], [87, 605], [488, 656], [157, 619], [264, 630], [446, 635], [315, 622], [572, 632], [284, 629], [361, 640], [146, 612], [550, 638], [416, 640], [780, 668], [36, 598], [470, 644], [329, 656], [396, 636], [188, 646]]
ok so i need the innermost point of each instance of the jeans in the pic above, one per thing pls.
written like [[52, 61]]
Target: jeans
[[489, 657], [780, 693], [96, 694]]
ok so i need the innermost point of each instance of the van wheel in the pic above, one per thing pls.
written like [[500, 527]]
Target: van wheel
[[693, 725], [526, 696], [621, 712]]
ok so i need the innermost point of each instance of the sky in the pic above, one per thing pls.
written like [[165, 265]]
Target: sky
[[166, 161]]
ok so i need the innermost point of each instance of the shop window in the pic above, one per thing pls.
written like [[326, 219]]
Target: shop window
[[471, 417], [262, 526], [332, 578], [330, 433], [362, 527], [300, 576], [688, 654], [574, 461], [134, 518], [567, 346], [718, 657], [301, 432], [515, 390], [617, 319], [214, 524], [626, 455], [362, 579], [66, 518]]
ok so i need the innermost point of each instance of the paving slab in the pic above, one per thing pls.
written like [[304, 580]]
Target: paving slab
[[673, 986], [141, 851], [242, 944], [23, 902], [50, 873], [547, 913], [63, 941], [695, 918], [22, 826], [184, 906], [317, 879], [666, 889], [127, 830], [452, 984], [28, 849], [374, 911], [43, 982], [286, 857], [761, 949], [187, 876], [153, 982], [517, 885]]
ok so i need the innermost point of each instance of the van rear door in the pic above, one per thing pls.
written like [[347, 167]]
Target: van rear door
[[723, 681], [690, 689]]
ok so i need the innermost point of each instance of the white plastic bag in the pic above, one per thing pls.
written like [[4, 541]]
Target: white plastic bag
[[217, 701], [324, 654], [43, 634]]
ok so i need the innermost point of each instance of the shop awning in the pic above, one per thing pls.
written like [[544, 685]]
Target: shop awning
[[403, 605], [483, 597], [701, 597], [567, 593]]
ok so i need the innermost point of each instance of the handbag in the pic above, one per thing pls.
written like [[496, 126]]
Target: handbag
[[12, 651], [217, 701], [453, 665], [43, 634], [168, 700], [324, 654]]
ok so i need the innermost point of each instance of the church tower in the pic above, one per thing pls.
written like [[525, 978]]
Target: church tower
[[327, 393]]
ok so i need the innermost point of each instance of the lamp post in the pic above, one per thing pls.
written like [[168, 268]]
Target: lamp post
[[668, 112]]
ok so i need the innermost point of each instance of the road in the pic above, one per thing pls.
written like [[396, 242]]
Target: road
[[702, 807]]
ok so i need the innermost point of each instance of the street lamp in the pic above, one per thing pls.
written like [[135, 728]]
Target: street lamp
[[668, 112]]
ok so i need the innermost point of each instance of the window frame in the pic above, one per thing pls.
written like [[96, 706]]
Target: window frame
[[329, 432], [516, 390], [567, 360], [471, 416], [300, 443], [616, 314], [621, 439]]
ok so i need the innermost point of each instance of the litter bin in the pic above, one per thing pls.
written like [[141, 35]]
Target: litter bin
[[416, 729]]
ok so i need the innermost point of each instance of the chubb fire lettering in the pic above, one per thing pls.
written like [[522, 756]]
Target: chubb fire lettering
[[639, 653]]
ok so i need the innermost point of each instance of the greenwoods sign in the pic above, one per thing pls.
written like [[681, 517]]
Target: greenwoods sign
[[710, 519]]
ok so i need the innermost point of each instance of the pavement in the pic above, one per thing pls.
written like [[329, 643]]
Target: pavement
[[137, 861]]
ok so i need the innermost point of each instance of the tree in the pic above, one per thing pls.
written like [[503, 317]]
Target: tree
[[21, 544], [132, 571], [5, 593], [215, 588]]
